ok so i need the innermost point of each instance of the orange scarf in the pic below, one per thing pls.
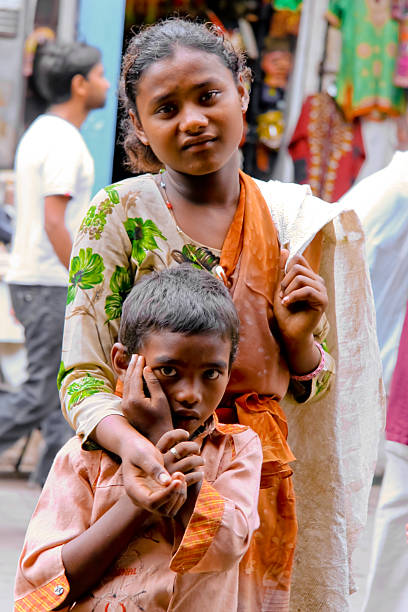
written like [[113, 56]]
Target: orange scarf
[[250, 259]]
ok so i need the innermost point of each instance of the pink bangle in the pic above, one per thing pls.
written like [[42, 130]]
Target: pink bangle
[[315, 372]]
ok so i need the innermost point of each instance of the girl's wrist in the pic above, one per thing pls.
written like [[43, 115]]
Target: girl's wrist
[[303, 356]]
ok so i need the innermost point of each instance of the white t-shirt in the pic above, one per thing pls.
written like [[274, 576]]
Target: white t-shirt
[[52, 159]]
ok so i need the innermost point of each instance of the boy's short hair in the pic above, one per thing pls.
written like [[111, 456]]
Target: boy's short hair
[[183, 300], [56, 64]]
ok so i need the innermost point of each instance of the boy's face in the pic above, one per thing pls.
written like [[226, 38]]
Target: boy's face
[[193, 372]]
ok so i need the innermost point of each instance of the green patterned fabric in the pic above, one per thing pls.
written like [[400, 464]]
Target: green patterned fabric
[[369, 50]]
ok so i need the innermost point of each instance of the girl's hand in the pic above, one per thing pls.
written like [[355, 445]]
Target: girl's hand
[[149, 415], [299, 302], [185, 457], [300, 299]]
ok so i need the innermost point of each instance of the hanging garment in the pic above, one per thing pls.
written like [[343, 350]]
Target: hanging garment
[[400, 12], [370, 41], [327, 150]]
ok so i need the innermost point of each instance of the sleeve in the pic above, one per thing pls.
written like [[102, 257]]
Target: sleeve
[[225, 515], [60, 168], [62, 513], [100, 277]]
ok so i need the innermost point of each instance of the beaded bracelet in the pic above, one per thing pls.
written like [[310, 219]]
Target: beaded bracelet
[[315, 372]]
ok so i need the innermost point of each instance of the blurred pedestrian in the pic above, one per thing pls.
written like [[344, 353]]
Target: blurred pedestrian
[[381, 200], [54, 178]]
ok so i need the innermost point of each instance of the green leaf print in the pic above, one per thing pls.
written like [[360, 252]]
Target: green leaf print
[[120, 285], [83, 388], [143, 237], [62, 373], [86, 272], [95, 219], [112, 193]]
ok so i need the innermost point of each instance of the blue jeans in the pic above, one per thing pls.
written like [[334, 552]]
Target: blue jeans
[[41, 311]]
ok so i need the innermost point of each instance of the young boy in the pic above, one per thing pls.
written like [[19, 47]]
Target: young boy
[[88, 545]]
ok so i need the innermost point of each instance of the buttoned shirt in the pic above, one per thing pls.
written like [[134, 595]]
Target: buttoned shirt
[[162, 567]]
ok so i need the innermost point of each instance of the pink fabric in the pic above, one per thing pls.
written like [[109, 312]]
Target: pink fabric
[[83, 485], [397, 412]]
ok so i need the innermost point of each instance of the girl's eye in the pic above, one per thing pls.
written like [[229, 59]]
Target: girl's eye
[[212, 374], [167, 371], [209, 96], [166, 109]]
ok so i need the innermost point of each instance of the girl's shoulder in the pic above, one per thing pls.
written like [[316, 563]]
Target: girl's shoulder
[[297, 213], [143, 184]]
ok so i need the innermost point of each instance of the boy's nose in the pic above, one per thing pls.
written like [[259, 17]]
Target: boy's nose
[[189, 394]]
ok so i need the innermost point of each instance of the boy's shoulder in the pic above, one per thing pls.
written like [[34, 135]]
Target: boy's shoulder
[[72, 457], [231, 428], [240, 435]]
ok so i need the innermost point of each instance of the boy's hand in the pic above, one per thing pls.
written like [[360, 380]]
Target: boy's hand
[[181, 455], [149, 415], [146, 493]]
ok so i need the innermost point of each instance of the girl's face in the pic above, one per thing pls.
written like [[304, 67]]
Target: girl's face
[[190, 111]]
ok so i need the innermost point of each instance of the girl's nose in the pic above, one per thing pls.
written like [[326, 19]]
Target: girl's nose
[[193, 119]]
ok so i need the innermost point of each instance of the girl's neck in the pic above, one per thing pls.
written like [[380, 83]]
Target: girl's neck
[[220, 188]]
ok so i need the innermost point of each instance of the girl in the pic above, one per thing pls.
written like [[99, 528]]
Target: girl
[[184, 90]]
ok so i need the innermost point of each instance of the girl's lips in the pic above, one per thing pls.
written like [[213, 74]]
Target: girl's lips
[[198, 143]]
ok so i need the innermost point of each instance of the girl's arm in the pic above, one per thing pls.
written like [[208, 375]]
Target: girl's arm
[[102, 271]]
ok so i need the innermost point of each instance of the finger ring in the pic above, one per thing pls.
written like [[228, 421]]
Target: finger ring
[[176, 454]]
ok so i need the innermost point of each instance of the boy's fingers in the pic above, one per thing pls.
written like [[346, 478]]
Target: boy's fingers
[[184, 449], [194, 477], [188, 463], [171, 438]]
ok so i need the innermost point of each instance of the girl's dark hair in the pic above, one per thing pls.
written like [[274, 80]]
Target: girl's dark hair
[[152, 44], [56, 64], [183, 300]]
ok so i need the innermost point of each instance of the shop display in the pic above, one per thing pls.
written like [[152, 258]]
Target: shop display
[[368, 59], [327, 150], [400, 13]]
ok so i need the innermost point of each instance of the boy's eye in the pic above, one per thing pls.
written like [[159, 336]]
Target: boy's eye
[[212, 374], [167, 371]]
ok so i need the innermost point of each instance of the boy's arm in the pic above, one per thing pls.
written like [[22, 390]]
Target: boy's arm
[[63, 555], [225, 512]]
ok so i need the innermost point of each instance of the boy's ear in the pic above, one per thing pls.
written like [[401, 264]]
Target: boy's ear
[[120, 359], [138, 128]]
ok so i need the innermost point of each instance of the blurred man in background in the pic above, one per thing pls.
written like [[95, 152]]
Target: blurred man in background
[[54, 178]]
